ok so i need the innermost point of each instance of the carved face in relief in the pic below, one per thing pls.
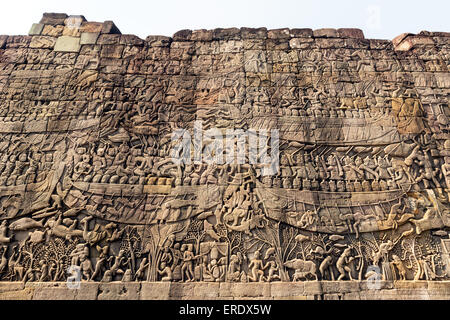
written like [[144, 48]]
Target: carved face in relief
[[101, 152]]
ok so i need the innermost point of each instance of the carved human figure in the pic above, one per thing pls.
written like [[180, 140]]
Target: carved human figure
[[234, 267], [342, 264], [308, 219], [273, 270], [99, 165], [256, 268], [140, 272], [101, 261], [326, 266], [398, 265], [187, 267], [86, 267], [165, 272], [83, 169], [119, 261]]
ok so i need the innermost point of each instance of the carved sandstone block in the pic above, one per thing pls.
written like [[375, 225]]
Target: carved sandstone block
[[67, 44], [43, 42]]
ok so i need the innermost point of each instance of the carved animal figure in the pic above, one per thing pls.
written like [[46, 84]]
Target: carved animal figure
[[302, 268], [57, 229], [37, 236], [25, 224], [325, 265], [250, 224]]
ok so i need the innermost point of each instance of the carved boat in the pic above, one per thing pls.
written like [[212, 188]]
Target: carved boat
[[338, 208], [332, 131], [147, 200], [28, 197], [124, 190], [47, 125], [329, 199]]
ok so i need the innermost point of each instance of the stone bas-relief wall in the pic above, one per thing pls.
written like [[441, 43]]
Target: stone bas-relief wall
[[87, 180]]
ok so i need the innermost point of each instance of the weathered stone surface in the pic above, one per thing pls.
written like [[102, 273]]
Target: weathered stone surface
[[279, 290], [226, 34], [111, 51], [300, 43], [132, 40], [119, 291], [91, 27], [107, 39], [279, 33], [74, 21], [398, 39], [325, 33], [52, 291], [18, 42], [350, 33], [202, 35], [350, 202], [43, 42], [254, 33], [409, 41], [36, 29], [244, 290], [22, 294], [222, 291], [89, 38], [110, 28], [67, 44], [53, 31], [50, 18], [182, 35], [158, 41], [155, 291], [301, 33]]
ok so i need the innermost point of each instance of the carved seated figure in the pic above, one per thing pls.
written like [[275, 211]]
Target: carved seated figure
[[340, 186], [99, 165], [358, 187], [349, 186], [165, 272], [332, 186], [375, 185], [234, 268], [83, 169]]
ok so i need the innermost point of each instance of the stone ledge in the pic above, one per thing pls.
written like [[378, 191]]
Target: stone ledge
[[326, 290], [61, 24]]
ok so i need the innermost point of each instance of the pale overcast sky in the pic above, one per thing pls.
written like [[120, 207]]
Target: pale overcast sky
[[381, 19]]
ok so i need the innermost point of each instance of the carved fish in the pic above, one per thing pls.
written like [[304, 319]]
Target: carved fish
[[440, 233], [25, 224], [362, 149], [269, 252], [301, 238], [37, 236], [336, 237]]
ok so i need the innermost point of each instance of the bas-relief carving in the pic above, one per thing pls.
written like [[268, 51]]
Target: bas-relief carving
[[87, 178]]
